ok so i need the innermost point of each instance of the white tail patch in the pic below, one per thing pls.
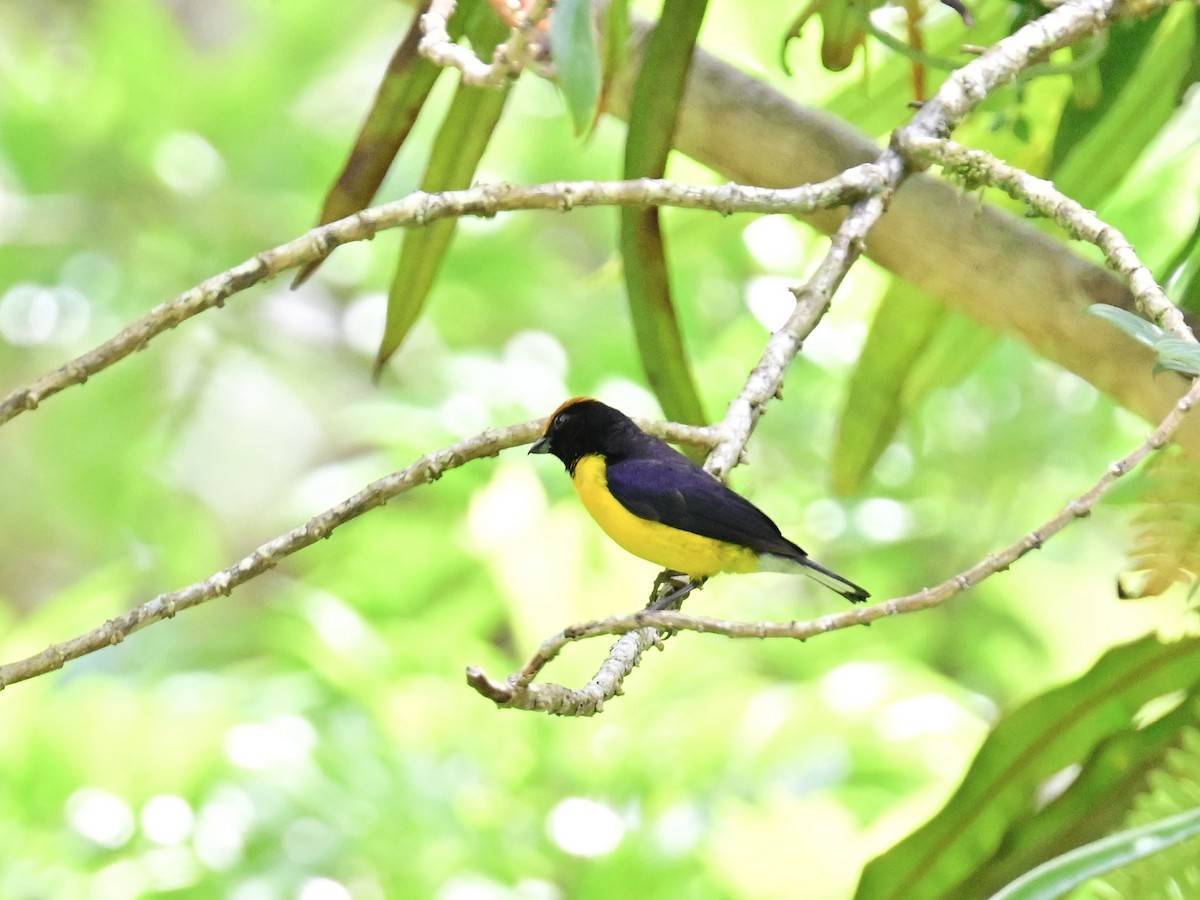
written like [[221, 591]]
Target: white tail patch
[[770, 562]]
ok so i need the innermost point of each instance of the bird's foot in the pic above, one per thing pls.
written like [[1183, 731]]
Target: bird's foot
[[670, 589]]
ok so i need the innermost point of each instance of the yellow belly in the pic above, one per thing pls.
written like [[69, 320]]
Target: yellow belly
[[699, 557]]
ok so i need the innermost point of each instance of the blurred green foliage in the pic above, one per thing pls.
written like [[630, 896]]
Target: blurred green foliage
[[311, 736]]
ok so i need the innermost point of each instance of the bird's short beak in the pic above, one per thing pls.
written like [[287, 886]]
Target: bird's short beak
[[541, 445]]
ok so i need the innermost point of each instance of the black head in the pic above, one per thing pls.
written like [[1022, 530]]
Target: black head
[[582, 427]]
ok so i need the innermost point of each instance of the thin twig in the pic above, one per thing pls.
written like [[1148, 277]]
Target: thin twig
[[522, 49], [425, 470], [419, 209]]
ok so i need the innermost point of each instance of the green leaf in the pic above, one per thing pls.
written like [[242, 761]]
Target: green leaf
[[1130, 323], [653, 113], [1178, 355], [464, 135], [844, 28], [1055, 878], [401, 96], [1058, 729], [577, 60], [616, 43], [1142, 71], [1174, 354], [915, 346], [1099, 800]]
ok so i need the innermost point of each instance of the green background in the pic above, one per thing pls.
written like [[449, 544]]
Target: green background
[[312, 734]]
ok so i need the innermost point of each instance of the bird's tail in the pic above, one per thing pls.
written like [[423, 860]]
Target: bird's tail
[[772, 562]]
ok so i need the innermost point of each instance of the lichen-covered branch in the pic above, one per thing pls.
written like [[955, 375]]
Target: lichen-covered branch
[[980, 167]]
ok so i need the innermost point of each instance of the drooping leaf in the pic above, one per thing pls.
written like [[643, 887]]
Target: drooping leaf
[[1058, 729], [916, 345], [653, 112], [464, 135], [1178, 355], [401, 96], [1140, 73], [844, 28], [576, 60], [1054, 878]]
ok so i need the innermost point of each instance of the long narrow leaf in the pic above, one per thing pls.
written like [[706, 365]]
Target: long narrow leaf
[[616, 44], [1182, 280], [653, 113], [402, 94], [577, 60], [1055, 730], [472, 118], [1055, 878]]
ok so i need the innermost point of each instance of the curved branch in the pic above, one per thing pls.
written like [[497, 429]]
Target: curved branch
[[419, 209], [978, 166], [428, 468]]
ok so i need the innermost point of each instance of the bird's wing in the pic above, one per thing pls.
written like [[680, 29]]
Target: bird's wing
[[681, 495]]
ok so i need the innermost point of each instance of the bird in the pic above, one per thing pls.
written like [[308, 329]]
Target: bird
[[659, 505]]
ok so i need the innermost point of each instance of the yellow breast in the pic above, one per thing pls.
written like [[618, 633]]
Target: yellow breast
[[699, 557]]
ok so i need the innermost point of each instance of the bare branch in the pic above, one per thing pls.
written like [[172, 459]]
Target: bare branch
[[427, 469], [420, 209]]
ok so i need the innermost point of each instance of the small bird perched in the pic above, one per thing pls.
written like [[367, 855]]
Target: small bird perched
[[659, 505]]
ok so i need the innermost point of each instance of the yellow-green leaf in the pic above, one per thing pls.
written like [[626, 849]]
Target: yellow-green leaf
[[473, 115]]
